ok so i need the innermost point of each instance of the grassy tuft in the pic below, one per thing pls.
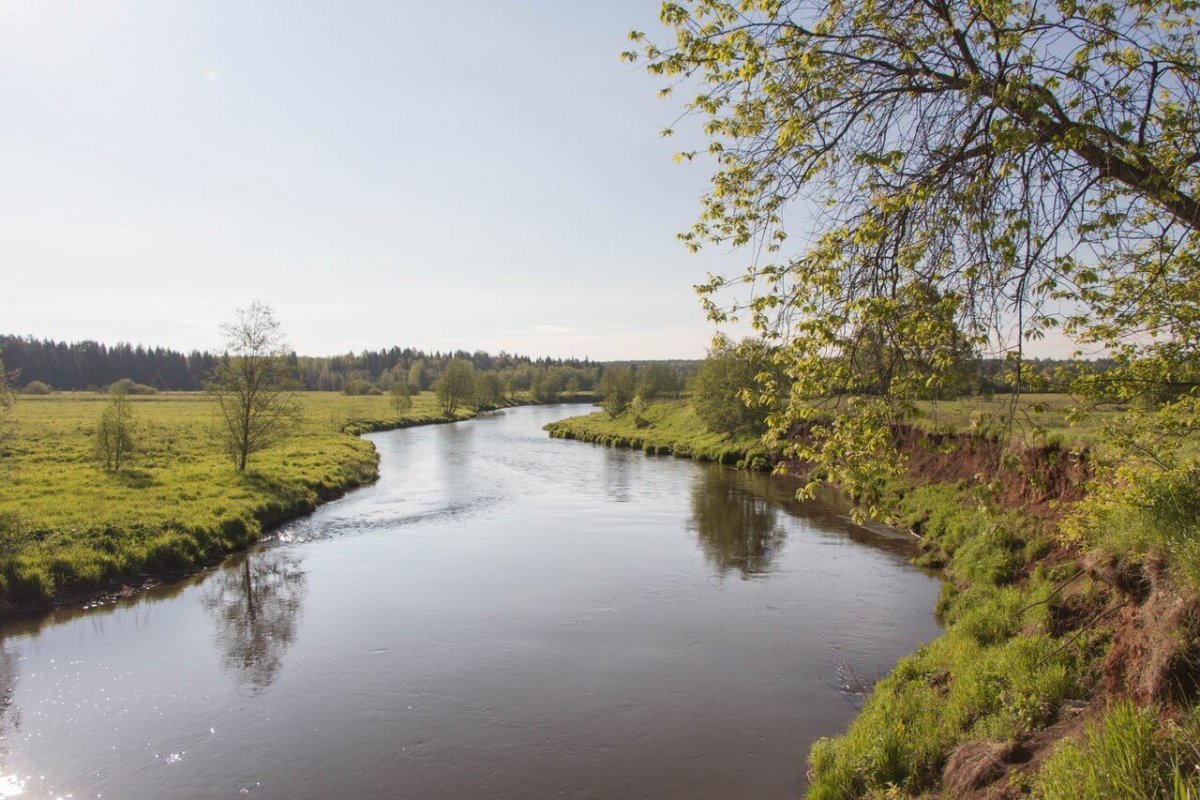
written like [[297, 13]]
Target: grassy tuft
[[1126, 755]]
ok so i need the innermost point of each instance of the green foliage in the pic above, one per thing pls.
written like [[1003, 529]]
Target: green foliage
[[1126, 755], [36, 388], [130, 386], [637, 412], [1135, 512], [984, 173], [7, 399], [546, 385], [115, 431], [456, 386], [253, 385], [617, 388], [400, 397], [901, 355], [489, 391], [657, 380], [735, 386], [360, 387]]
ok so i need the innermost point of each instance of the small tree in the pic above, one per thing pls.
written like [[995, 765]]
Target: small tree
[[726, 388], [417, 375], [657, 380], [115, 432], [456, 385], [400, 397], [7, 400], [637, 411], [254, 384], [489, 390], [617, 387]]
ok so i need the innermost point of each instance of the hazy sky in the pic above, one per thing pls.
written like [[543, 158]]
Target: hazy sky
[[442, 175]]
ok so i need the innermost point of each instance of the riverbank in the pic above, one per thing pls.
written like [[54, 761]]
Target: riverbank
[[1067, 656], [669, 427], [70, 532]]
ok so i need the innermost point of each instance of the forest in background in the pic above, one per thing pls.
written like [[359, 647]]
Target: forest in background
[[89, 365], [92, 366]]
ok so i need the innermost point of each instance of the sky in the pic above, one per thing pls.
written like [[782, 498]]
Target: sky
[[475, 175]]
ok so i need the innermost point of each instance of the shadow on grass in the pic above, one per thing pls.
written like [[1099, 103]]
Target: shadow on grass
[[134, 478]]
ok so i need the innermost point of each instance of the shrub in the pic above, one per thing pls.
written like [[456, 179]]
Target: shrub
[[359, 387], [130, 386], [37, 387], [726, 382]]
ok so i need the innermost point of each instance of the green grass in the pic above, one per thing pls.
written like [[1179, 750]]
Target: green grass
[[1033, 420], [1142, 513], [996, 673], [668, 428], [67, 527], [1129, 754]]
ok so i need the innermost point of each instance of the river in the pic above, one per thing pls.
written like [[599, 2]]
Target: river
[[502, 615]]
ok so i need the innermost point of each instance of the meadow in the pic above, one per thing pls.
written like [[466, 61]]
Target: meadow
[[70, 529]]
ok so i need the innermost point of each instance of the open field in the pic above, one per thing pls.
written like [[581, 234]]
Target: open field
[[67, 527], [1032, 419]]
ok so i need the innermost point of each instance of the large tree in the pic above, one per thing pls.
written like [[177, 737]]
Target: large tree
[[1034, 164], [254, 384]]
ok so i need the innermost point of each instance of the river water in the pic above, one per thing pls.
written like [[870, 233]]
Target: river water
[[502, 615]]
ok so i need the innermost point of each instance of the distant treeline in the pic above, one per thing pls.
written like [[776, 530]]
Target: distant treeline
[[89, 365]]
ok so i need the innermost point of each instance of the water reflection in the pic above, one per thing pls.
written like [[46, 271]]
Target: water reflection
[[737, 527], [257, 602], [10, 717]]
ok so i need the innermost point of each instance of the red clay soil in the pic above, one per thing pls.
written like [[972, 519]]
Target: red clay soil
[[1155, 656], [1038, 479]]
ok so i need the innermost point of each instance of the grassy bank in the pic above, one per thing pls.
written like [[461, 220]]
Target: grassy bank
[[68, 528], [666, 428], [1068, 662]]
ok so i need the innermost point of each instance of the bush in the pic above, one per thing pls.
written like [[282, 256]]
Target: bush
[[130, 386], [617, 388], [726, 381], [1144, 511], [37, 387], [360, 387]]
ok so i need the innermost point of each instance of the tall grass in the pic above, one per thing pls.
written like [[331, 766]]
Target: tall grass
[[1126, 755]]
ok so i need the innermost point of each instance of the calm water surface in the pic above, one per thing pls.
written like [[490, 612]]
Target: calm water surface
[[502, 615]]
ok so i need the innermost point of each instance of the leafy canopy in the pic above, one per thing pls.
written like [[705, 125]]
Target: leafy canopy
[[1031, 164]]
